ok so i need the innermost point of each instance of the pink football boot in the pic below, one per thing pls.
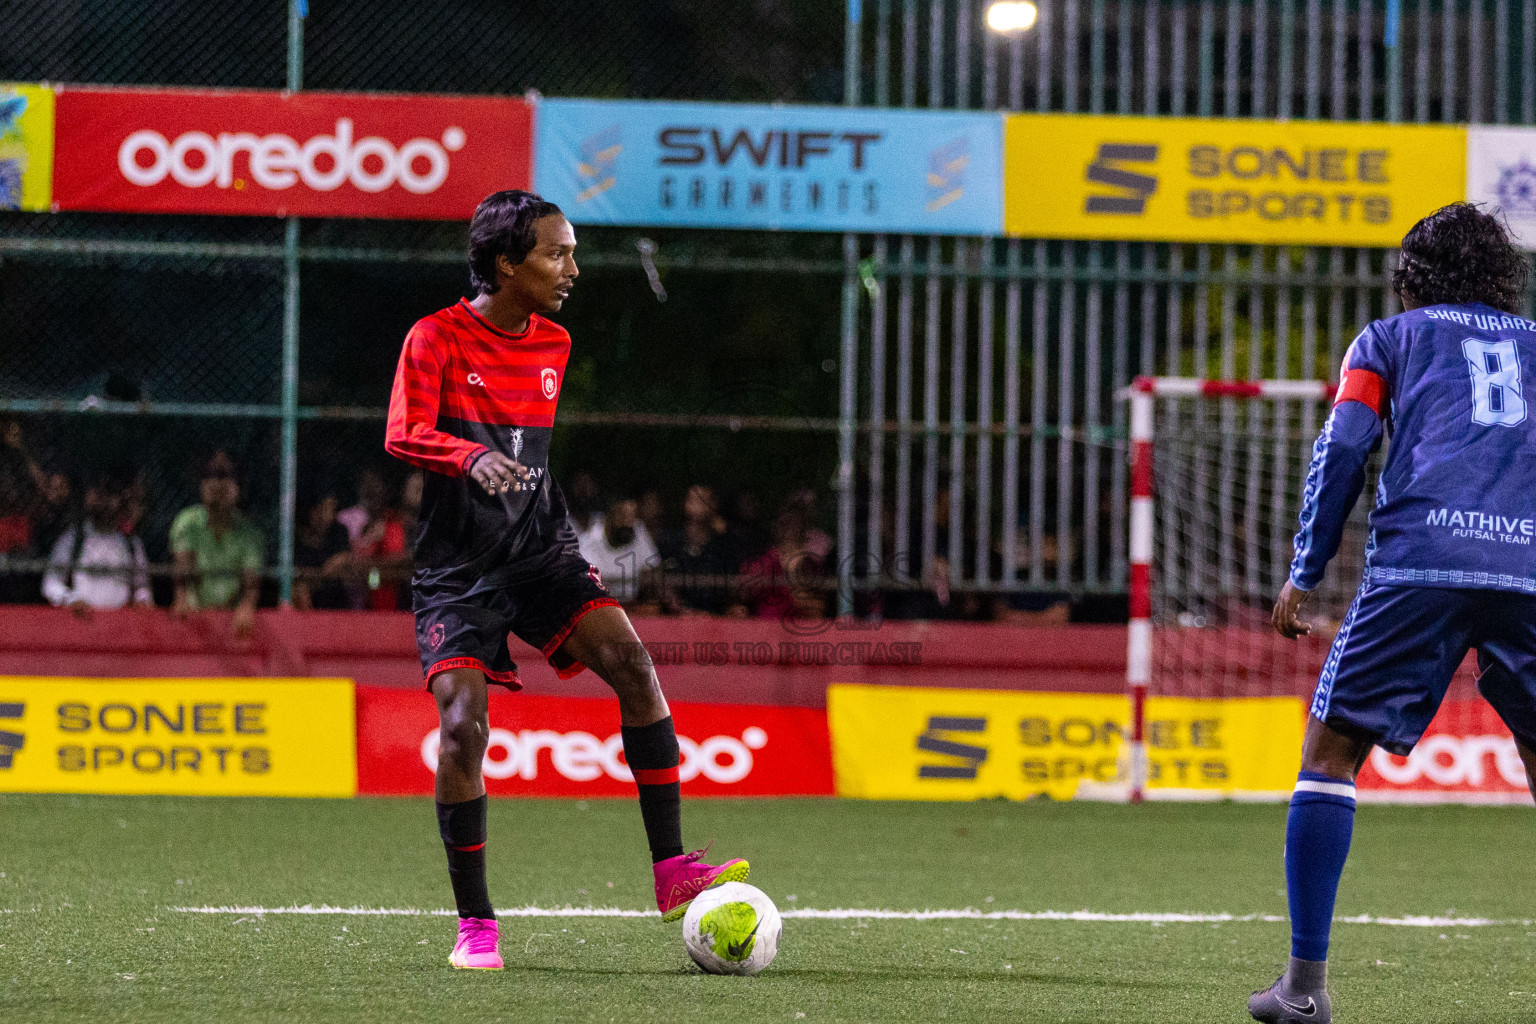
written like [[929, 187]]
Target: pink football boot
[[476, 949], [680, 879]]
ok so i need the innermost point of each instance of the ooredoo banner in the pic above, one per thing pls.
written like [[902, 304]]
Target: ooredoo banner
[[571, 746], [1467, 756], [194, 737], [918, 743], [303, 154], [1226, 180], [742, 166]]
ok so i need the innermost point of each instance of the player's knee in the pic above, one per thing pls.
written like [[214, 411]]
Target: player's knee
[[462, 733], [629, 673]]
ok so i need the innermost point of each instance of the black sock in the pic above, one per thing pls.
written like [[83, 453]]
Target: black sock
[[462, 827], [651, 751]]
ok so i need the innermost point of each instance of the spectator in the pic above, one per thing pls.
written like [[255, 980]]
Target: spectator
[[581, 500], [372, 501], [20, 480], [783, 580], [650, 512], [700, 548], [744, 529], [94, 563], [218, 552], [381, 558], [322, 553], [620, 547], [56, 512]]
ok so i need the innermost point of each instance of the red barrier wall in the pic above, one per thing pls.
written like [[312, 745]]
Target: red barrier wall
[[703, 659]]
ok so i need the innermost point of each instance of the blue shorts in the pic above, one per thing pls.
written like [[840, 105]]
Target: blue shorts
[[1399, 647]]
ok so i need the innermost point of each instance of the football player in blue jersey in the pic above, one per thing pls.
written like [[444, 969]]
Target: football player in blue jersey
[[1450, 563]]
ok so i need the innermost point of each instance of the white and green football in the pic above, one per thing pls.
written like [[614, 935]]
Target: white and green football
[[732, 929]]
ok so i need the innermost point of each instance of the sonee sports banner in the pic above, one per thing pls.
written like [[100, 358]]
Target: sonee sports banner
[[912, 743], [192, 737], [570, 746], [309, 154], [1224, 180]]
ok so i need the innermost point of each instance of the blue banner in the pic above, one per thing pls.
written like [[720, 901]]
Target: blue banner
[[794, 168]]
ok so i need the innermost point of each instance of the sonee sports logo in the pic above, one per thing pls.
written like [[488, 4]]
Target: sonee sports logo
[[1105, 170], [10, 742], [971, 757]]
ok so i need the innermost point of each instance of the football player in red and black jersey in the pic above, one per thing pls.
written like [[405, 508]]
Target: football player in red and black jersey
[[474, 404]]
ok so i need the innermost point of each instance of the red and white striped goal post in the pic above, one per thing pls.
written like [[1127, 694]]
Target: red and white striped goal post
[[1143, 394]]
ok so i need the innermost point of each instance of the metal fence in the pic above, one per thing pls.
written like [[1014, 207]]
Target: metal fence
[[979, 418], [969, 383]]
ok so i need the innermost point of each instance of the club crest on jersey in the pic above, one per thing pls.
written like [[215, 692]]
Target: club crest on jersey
[[517, 441], [435, 636], [548, 381], [595, 575]]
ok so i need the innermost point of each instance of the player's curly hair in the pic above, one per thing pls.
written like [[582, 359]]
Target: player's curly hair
[[503, 223], [1459, 254]]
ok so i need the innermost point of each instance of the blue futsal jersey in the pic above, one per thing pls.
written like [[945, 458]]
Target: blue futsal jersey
[[1456, 502]]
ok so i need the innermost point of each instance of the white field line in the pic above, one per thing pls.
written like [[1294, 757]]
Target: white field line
[[808, 914]]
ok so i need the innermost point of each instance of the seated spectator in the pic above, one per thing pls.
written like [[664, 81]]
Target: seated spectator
[[783, 581], [322, 552], [619, 546], [218, 552], [699, 549], [94, 564], [372, 500], [380, 557]]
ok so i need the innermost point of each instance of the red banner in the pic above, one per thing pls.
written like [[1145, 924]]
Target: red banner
[[570, 746], [1466, 756], [282, 154]]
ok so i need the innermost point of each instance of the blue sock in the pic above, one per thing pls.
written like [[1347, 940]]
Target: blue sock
[[1317, 834]]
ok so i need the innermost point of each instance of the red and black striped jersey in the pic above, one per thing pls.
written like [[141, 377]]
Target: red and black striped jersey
[[462, 387]]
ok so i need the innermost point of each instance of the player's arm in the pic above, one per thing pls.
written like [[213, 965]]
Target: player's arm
[[412, 435], [1334, 481]]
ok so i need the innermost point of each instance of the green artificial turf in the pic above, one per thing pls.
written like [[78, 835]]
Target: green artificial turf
[[88, 931]]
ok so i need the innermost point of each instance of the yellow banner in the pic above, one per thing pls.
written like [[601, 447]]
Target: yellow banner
[[909, 743], [202, 737], [26, 147], [1220, 180]]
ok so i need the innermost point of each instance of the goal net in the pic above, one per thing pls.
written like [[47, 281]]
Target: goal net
[[1218, 473]]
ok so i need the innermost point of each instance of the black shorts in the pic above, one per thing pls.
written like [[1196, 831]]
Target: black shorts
[[539, 603]]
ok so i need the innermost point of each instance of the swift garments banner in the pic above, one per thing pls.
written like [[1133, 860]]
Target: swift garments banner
[[194, 737], [913, 743], [1219, 180], [740, 166], [281, 154], [570, 746], [26, 147], [1501, 172]]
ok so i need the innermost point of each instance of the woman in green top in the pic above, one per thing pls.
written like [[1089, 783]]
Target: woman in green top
[[218, 552]]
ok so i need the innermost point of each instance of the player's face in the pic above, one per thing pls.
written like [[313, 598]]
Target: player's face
[[548, 272]]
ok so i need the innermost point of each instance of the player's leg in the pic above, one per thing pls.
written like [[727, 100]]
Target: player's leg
[[1506, 661], [1395, 641], [1528, 756], [604, 641], [463, 725], [462, 639]]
